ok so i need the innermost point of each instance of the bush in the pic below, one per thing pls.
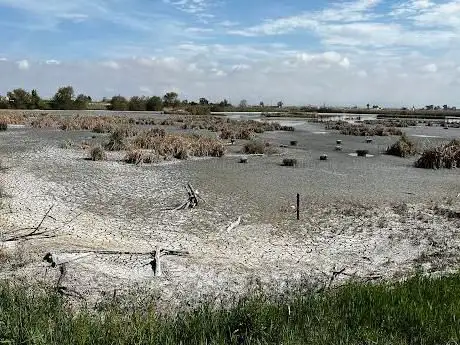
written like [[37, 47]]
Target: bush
[[3, 126], [118, 138], [404, 147], [141, 156], [347, 128], [443, 156], [254, 147], [362, 153], [97, 154], [289, 162]]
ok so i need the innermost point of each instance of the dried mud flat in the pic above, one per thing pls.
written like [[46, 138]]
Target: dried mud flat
[[115, 206]]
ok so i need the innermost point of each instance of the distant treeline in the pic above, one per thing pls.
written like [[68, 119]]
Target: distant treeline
[[65, 99]]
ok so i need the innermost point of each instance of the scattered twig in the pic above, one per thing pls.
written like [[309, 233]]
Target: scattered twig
[[234, 224], [35, 231], [335, 274]]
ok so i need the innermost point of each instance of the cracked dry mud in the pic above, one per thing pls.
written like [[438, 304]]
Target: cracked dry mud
[[115, 206]]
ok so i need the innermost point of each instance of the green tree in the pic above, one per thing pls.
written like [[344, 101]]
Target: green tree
[[243, 103], [203, 101], [119, 103], [4, 104], [82, 102], [137, 103], [19, 99], [171, 99], [64, 98], [280, 104], [261, 104], [154, 103], [36, 101]]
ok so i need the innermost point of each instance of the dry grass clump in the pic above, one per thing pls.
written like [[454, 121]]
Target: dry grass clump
[[362, 153], [97, 154], [118, 139], [404, 147], [362, 129], [13, 117], [392, 122], [231, 129], [45, 121], [179, 146], [141, 156], [254, 147], [289, 162], [443, 156]]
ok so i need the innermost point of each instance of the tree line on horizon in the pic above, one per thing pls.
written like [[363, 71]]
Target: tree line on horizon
[[65, 99]]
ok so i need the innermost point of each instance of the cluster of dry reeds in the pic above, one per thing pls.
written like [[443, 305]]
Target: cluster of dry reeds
[[442, 156], [404, 147], [99, 124], [229, 128], [155, 144], [347, 128], [392, 122], [12, 118]]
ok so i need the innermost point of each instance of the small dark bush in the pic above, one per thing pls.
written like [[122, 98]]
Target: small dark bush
[[293, 142], [289, 162], [443, 156], [362, 153], [404, 147], [3, 126], [97, 154], [254, 147]]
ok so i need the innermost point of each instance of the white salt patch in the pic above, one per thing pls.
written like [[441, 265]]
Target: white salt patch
[[425, 136], [319, 132], [356, 155]]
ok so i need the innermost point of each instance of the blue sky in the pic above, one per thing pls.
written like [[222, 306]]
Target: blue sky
[[302, 52]]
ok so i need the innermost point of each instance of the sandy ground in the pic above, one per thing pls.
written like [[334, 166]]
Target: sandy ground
[[375, 217]]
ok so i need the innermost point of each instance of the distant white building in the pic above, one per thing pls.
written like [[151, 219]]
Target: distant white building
[[452, 119]]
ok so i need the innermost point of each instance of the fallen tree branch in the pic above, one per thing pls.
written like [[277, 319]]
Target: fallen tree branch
[[34, 232], [234, 224]]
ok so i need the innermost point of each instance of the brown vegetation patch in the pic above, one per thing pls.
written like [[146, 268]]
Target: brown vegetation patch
[[404, 147], [443, 156], [362, 129]]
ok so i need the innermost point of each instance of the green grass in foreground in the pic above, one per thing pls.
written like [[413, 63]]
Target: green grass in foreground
[[418, 311]]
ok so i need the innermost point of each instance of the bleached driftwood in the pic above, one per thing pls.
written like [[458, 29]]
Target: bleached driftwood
[[155, 263], [234, 224], [192, 198]]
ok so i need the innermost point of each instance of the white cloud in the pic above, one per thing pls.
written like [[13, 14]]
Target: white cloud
[[111, 64], [431, 68], [23, 65], [145, 90], [52, 62], [3, 59]]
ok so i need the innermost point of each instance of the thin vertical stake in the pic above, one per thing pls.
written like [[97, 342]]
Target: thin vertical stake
[[298, 206]]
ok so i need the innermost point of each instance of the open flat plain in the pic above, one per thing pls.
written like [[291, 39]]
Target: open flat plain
[[369, 218]]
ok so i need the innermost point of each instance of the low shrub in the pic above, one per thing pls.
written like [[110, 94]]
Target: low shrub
[[289, 162], [254, 147], [362, 153], [3, 125], [360, 129], [141, 156], [97, 154], [404, 147], [443, 156]]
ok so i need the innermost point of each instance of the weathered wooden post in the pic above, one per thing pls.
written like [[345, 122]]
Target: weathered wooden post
[[298, 206]]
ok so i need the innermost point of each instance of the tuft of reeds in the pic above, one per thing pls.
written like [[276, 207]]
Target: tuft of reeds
[[254, 147], [141, 156], [443, 156], [360, 129], [404, 147], [97, 154], [289, 162], [362, 153]]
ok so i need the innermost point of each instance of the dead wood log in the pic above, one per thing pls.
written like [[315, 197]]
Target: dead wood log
[[158, 253], [192, 199], [234, 224], [35, 231]]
